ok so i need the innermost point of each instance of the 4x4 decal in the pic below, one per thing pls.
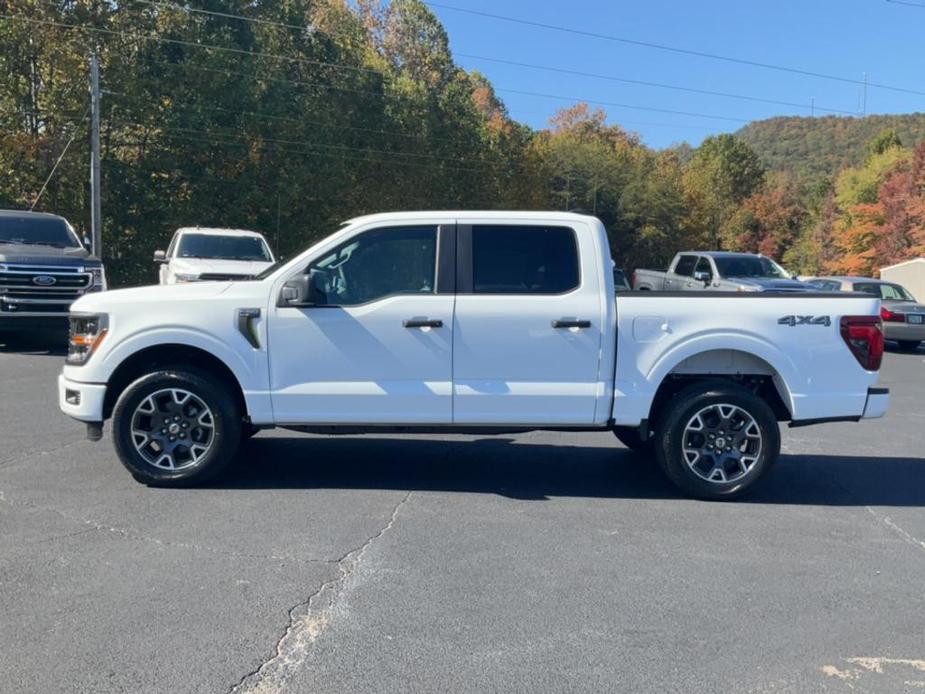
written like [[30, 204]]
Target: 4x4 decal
[[794, 321]]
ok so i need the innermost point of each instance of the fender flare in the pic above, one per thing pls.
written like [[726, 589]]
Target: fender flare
[[783, 366]]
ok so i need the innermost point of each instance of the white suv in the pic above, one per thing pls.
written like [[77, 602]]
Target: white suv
[[197, 253]]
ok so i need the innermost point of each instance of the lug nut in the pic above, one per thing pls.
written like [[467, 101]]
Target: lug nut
[[182, 435]]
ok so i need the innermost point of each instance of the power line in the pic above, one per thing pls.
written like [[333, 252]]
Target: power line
[[190, 44], [268, 116], [364, 92], [671, 49], [225, 15], [620, 105], [55, 167], [198, 136], [626, 80], [519, 64], [904, 2], [300, 142]]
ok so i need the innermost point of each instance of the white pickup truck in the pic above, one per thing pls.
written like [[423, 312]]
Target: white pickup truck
[[481, 322]]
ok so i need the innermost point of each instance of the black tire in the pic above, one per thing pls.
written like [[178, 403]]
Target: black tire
[[248, 431], [632, 439], [223, 440], [908, 345], [730, 475]]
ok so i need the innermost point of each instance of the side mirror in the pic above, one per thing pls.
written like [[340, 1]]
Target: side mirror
[[704, 277], [88, 244], [160, 256], [304, 290]]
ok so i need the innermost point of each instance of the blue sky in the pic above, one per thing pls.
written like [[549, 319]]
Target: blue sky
[[845, 38]]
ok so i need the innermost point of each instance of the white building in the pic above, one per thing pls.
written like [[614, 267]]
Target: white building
[[910, 274]]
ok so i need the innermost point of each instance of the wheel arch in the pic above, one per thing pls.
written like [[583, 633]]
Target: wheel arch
[[160, 356], [724, 364]]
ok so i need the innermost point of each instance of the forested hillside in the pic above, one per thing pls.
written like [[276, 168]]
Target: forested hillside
[[291, 117], [821, 146]]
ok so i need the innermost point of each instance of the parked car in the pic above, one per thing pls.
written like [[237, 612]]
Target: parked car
[[197, 254], [44, 267], [720, 272], [483, 322], [903, 316]]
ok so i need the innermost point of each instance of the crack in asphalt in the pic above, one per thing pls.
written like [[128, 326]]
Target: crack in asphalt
[[307, 620], [897, 529]]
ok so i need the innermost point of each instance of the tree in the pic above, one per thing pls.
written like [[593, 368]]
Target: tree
[[723, 172]]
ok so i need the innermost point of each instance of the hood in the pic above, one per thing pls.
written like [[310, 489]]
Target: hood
[[45, 255], [199, 266], [158, 294], [768, 284]]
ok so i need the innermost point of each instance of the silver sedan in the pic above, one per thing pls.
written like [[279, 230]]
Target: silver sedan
[[903, 317]]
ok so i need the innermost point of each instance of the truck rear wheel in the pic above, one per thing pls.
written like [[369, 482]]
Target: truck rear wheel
[[716, 440], [176, 428]]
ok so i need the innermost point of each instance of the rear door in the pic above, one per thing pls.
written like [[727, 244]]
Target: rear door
[[528, 324], [680, 274]]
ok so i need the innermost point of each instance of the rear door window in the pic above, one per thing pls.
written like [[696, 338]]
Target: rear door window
[[509, 259], [685, 266]]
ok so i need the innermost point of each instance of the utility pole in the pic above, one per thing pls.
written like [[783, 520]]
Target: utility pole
[[812, 107], [864, 98], [96, 222]]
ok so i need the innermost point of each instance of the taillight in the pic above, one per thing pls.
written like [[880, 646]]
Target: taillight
[[889, 317], [864, 337]]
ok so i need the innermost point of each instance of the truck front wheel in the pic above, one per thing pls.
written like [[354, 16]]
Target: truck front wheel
[[716, 440], [176, 428]]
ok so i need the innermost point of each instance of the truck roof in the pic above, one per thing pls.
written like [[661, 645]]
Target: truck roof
[[721, 254], [218, 231], [471, 214], [26, 213]]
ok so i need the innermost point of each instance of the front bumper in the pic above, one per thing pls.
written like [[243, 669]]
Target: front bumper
[[878, 401], [83, 401]]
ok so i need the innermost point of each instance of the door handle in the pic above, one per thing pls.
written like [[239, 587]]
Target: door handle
[[571, 323], [422, 323]]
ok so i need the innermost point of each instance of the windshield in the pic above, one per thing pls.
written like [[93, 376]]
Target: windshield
[[223, 247], [749, 266], [892, 292], [37, 231]]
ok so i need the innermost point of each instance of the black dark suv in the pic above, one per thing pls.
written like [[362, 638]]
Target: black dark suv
[[44, 267]]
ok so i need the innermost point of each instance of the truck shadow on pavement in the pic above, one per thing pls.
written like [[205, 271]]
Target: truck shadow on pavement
[[524, 470]]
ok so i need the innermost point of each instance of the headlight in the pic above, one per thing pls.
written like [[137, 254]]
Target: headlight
[[185, 278], [87, 332], [98, 279]]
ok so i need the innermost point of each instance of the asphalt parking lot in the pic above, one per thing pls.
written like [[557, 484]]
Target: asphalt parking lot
[[540, 562]]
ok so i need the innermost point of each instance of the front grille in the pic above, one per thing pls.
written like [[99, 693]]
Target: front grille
[[56, 289], [220, 277]]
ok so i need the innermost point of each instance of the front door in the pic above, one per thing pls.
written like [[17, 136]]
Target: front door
[[527, 335], [378, 348]]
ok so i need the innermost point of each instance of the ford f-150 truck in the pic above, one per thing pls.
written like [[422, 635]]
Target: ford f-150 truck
[[44, 267], [719, 271], [480, 322]]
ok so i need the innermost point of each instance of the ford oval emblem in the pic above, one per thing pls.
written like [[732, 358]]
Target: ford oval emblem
[[44, 280]]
